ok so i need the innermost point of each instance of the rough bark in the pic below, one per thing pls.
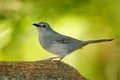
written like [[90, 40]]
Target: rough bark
[[38, 70]]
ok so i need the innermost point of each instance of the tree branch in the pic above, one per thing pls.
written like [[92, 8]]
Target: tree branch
[[38, 70]]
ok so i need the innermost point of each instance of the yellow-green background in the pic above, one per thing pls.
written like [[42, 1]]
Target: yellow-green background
[[81, 19]]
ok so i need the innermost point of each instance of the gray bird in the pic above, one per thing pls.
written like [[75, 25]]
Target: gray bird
[[59, 44]]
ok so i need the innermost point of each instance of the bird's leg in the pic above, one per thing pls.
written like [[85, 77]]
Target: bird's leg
[[53, 58], [61, 58]]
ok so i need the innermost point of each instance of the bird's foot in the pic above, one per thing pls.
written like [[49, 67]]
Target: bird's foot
[[55, 58]]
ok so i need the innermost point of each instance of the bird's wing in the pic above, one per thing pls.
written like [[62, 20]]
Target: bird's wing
[[64, 39]]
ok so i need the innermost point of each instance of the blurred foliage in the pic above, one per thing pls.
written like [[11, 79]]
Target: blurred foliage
[[85, 19]]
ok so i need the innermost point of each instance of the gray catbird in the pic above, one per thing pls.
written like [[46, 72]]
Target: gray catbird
[[59, 44]]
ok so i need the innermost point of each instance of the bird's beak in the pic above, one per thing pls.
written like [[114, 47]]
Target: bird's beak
[[37, 25]]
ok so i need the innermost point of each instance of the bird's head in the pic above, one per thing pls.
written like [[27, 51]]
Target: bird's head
[[42, 25]]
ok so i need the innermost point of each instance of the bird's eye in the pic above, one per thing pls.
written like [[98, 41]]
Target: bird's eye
[[44, 26]]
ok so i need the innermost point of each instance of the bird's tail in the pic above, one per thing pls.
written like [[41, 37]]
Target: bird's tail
[[98, 41], [84, 43]]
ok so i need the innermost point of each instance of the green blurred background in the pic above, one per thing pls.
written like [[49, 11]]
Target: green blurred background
[[81, 19]]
